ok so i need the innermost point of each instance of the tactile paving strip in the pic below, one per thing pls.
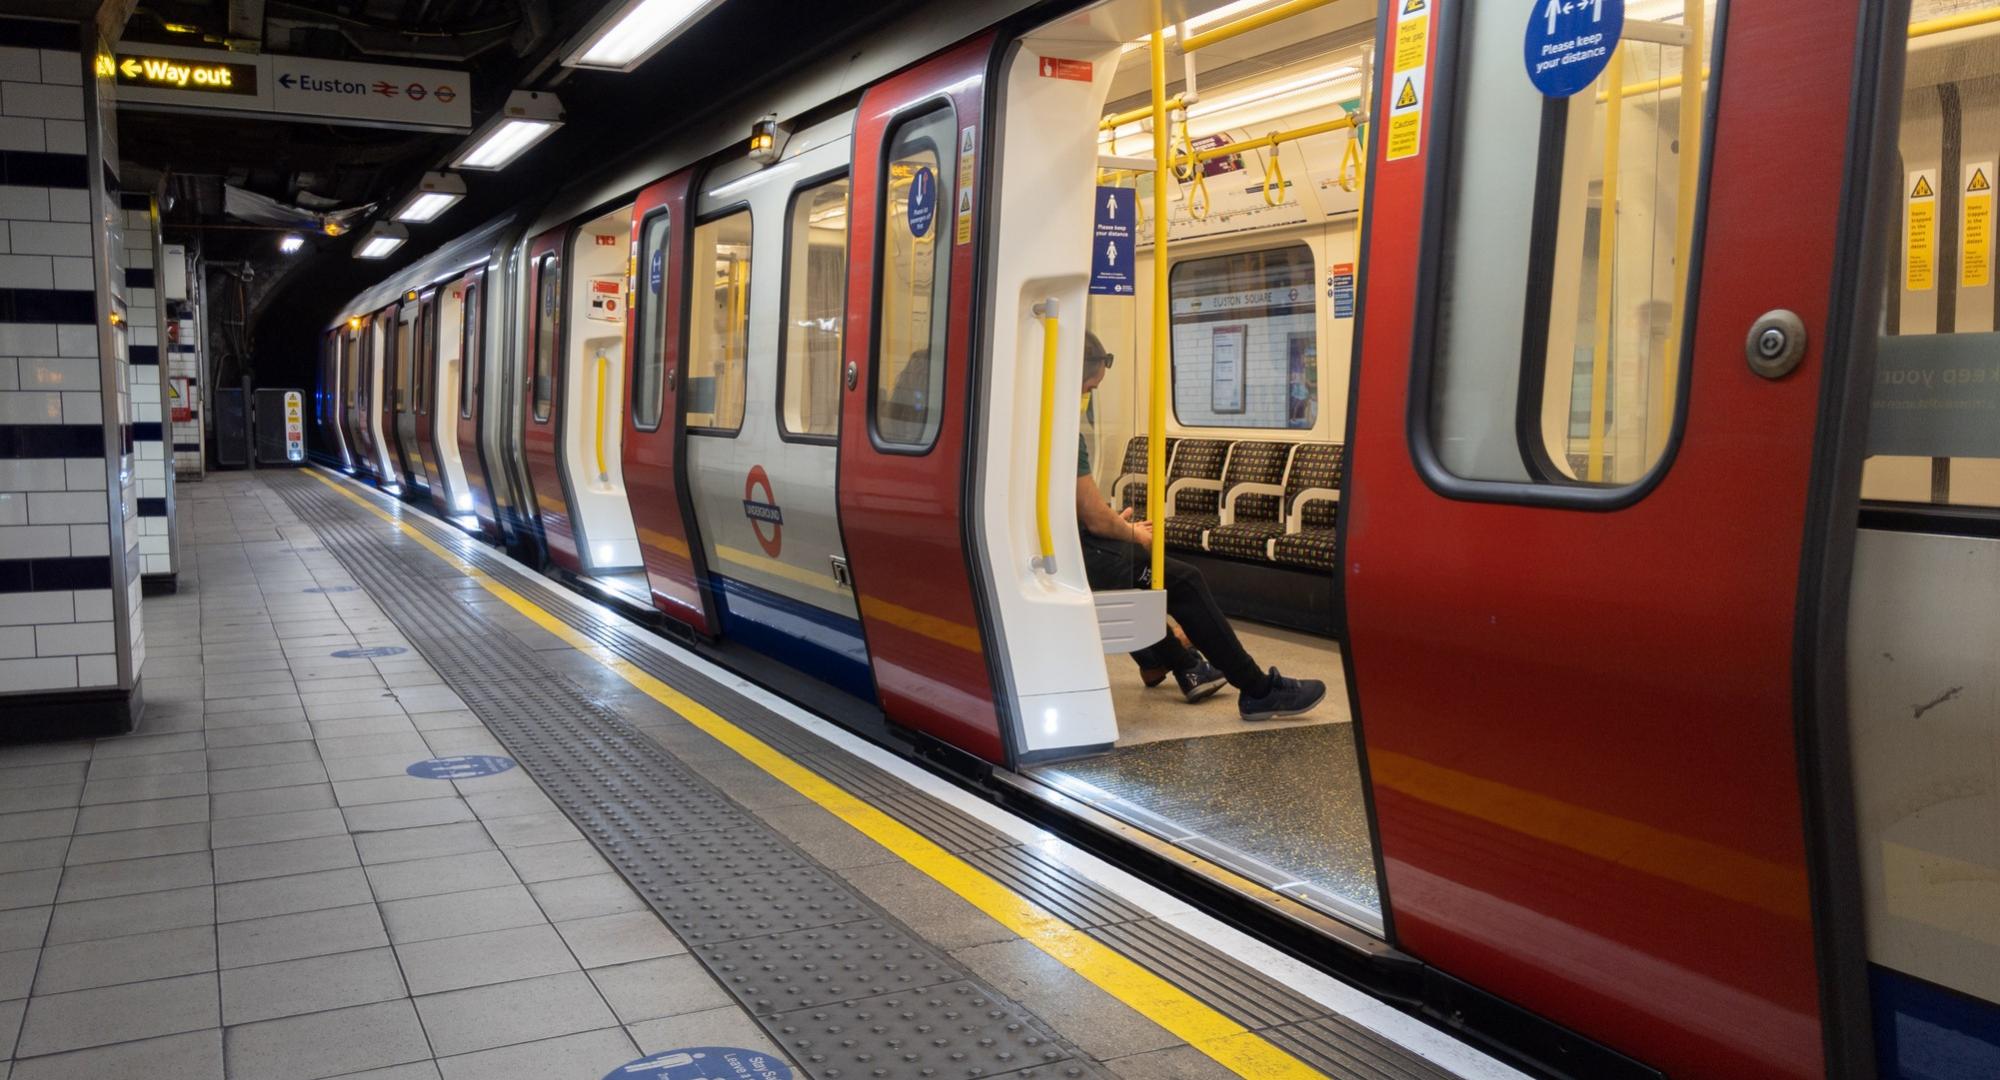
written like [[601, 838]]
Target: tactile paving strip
[[1247, 996], [868, 999]]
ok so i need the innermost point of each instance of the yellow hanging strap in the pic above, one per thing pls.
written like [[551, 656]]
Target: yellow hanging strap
[[1349, 176], [1274, 175], [1198, 191]]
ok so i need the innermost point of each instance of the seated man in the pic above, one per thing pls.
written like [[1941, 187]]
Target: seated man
[[1116, 556]]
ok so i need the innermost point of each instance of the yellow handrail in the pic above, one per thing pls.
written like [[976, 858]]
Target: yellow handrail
[[603, 367], [1118, 120], [1607, 267], [1156, 442], [1659, 417], [1248, 23], [1045, 452]]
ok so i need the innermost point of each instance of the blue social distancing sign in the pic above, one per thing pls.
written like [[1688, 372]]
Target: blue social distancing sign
[[460, 767], [372, 652], [923, 200], [1569, 42], [1111, 243], [704, 1063]]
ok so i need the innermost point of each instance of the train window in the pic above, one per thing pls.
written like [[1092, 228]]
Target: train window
[[647, 376], [1577, 385], [1245, 340], [400, 361], [426, 355], [815, 301], [545, 336], [719, 324], [468, 352], [915, 285]]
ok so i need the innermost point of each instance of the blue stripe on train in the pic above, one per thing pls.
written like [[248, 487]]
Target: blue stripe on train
[[826, 646], [1926, 1032]]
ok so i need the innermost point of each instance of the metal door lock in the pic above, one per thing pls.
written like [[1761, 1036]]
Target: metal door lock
[[1776, 344], [853, 375]]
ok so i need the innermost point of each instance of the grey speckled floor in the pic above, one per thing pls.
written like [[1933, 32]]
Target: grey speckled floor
[[1289, 797]]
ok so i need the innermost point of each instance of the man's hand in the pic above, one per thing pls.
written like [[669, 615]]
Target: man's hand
[[1141, 531]]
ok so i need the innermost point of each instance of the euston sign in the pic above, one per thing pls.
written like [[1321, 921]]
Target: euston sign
[[293, 88]]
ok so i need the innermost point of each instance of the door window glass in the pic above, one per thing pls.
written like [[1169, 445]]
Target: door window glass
[[468, 347], [1577, 385], [401, 362], [546, 303], [1246, 339], [426, 375], [648, 376], [718, 323], [916, 280], [815, 301]]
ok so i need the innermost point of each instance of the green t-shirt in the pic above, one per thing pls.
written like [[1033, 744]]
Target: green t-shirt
[[1082, 457]]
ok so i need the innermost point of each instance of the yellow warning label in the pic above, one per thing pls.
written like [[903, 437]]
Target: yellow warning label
[[1412, 7], [1975, 265], [1413, 38], [1406, 120], [1920, 235], [1407, 96]]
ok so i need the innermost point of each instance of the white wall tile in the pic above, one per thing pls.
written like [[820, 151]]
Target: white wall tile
[[67, 508], [64, 136], [93, 605], [13, 508], [74, 273], [24, 65], [36, 99], [85, 474], [10, 373], [69, 204], [82, 408], [77, 340], [90, 539], [33, 474], [73, 639], [47, 673], [6, 237], [140, 258], [16, 642], [51, 238], [26, 272], [18, 203], [62, 67], [34, 541], [36, 608], [22, 133], [27, 339], [30, 407], [156, 563], [100, 670], [55, 373]]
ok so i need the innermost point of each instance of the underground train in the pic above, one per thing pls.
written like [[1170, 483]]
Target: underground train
[[1640, 758]]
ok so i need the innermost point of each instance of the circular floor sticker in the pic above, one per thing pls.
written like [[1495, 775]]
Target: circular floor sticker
[[335, 589], [370, 653], [705, 1063], [462, 767]]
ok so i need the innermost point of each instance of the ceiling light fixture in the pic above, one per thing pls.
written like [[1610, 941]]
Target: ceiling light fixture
[[290, 243], [436, 193], [634, 31], [527, 119], [381, 240]]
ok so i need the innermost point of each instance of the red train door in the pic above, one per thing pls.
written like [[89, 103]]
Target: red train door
[[424, 349], [904, 424], [654, 436], [543, 393], [388, 361], [1585, 536], [471, 405]]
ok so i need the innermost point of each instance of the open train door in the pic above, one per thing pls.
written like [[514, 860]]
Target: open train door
[[655, 444], [1595, 544], [905, 417]]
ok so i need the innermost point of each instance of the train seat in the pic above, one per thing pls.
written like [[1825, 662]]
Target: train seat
[[1312, 506], [1252, 492], [1128, 492], [1254, 513], [1194, 491]]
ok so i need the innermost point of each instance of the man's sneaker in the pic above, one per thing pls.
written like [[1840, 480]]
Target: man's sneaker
[[1284, 697], [1201, 681], [1153, 676]]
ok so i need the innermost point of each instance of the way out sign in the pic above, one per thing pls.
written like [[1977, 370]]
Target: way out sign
[[1111, 243], [1569, 42]]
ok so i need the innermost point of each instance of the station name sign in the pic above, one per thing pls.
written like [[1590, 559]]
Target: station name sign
[[291, 88]]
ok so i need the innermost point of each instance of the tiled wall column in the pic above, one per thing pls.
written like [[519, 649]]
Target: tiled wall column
[[71, 641], [158, 546]]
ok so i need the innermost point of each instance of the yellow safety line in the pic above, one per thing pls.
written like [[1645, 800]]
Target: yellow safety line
[[1230, 1044]]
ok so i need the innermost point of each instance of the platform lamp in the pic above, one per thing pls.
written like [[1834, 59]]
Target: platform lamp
[[631, 31], [528, 117], [381, 241], [436, 193]]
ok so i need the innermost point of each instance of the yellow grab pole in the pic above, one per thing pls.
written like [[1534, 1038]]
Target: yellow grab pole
[[1117, 120], [603, 367], [1045, 452], [1273, 140], [1248, 23], [1607, 264], [1658, 416], [1156, 429]]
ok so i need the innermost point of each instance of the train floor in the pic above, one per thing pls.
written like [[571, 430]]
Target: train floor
[[400, 810]]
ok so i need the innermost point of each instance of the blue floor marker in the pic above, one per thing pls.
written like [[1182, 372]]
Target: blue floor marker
[[371, 652], [462, 767], [705, 1063], [334, 589]]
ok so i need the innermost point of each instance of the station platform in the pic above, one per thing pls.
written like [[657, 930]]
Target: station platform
[[400, 809]]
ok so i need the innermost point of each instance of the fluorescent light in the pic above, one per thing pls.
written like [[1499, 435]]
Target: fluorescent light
[[635, 32], [435, 194], [380, 241], [1208, 108], [291, 243], [527, 119], [1205, 19]]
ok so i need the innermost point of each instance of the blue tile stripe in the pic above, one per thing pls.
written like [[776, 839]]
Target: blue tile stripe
[[33, 168], [42, 34], [53, 574], [73, 306], [51, 441], [145, 355]]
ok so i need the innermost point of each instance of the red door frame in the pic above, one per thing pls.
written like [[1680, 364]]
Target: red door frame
[[902, 515], [360, 363], [424, 390], [471, 404], [655, 460], [541, 439], [1623, 831]]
